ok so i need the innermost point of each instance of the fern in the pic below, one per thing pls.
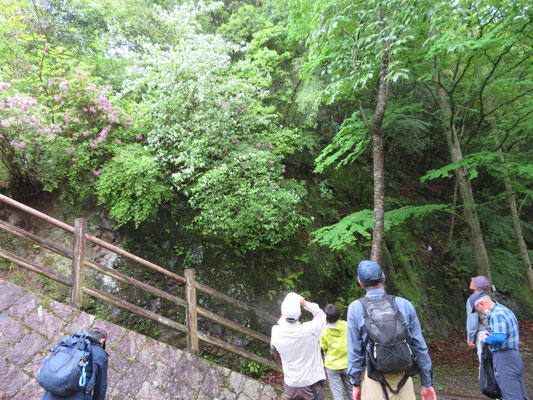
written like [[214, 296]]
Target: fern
[[518, 171], [341, 234], [348, 144]]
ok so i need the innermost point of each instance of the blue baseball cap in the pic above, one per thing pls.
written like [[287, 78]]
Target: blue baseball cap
[[369, 273], [472, 300]]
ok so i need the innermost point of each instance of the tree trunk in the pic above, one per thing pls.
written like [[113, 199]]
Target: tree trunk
[[376, 126], [465, 189], [516, 224], [452, 219]]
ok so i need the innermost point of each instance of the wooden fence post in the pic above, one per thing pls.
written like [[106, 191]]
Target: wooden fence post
[[78, 268], [192, 319]]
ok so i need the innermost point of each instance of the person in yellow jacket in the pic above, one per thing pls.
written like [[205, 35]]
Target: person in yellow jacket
[[334, 342]]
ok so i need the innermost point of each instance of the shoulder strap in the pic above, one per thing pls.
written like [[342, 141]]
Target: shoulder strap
[[92, 380]]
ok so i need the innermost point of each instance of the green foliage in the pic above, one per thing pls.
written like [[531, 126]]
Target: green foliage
[[349, 143], [348, 40], [132, 185], [253, 369]]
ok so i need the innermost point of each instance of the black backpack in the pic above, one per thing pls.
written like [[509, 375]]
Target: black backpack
[[67, 369], [388, 343], [487, 381]]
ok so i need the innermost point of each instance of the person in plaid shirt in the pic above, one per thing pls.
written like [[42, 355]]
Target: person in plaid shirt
[[503, 338]]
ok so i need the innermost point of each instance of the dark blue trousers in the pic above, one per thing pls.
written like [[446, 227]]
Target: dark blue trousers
[[509, 374]]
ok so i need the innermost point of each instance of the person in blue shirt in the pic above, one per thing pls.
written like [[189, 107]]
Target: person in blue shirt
[[477, 324], [504, 339], [372, 279]]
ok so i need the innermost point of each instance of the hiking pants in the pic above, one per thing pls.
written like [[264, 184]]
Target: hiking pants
[[316, 391], [337, 379], [509, 374], [372, 390]]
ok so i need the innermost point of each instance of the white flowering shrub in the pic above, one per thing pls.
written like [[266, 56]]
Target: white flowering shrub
[[209, 129]]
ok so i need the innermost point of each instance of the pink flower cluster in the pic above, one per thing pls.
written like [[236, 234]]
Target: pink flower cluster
[[19, 145], [88, 106]]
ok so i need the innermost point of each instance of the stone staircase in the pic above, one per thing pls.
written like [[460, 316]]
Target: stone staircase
[[139, 367]]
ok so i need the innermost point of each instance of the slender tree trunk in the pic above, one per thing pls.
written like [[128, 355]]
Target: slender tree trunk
[[376, 126], [516, 224], [465, 189], [452, 219]]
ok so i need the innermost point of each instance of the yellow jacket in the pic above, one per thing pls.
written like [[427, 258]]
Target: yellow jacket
[[334, 341]]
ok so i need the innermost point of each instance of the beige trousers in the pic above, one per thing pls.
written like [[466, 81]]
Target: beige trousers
[[371, 389]]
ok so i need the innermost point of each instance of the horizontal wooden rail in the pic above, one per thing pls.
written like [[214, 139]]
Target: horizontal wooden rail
[[230, 324], [237, 350], [36, 268], [119, 276], [215, 293], [134, 309], [28, 210]]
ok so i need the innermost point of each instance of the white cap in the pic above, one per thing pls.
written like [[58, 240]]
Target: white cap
[[290, 308]]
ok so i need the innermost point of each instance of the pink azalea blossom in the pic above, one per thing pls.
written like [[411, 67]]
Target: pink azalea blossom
[[91, 144], [138, 137], [98, 171], [84, 133], [118, 141]]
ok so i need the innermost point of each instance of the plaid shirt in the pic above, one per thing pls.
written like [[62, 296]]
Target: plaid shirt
[[502, 320]]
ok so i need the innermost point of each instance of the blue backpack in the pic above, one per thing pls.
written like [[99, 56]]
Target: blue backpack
[[65, 370]]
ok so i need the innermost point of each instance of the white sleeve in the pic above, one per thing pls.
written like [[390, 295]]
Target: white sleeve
[[319, 319]]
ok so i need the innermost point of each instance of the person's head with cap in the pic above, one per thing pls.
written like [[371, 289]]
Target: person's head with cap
[[481, 303], [290, 308], [370, 274], [480, 284], [332, 315], [100, 334]]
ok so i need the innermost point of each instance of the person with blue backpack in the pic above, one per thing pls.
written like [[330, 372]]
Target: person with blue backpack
[[385, 343], [77, 368]]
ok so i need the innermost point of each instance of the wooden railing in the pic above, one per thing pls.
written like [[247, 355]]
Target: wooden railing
[[78, 287]]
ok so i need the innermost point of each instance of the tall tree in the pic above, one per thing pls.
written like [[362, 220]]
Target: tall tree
[[358, 46], [473, 48]]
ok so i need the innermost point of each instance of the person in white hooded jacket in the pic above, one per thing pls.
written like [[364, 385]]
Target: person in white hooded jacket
[[298, 347]]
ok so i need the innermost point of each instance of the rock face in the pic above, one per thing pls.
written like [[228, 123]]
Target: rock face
[[139, 367]]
